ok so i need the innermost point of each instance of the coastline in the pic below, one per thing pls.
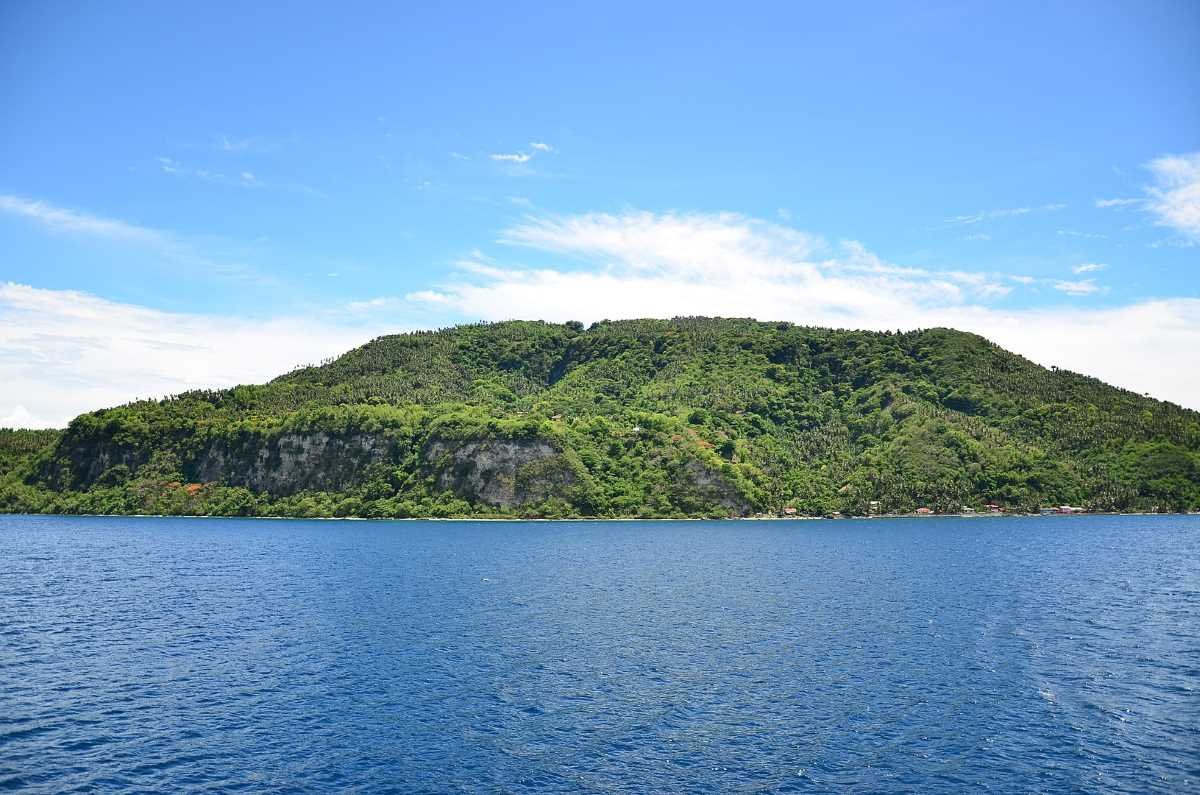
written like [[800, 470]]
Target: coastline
[[599, 519]]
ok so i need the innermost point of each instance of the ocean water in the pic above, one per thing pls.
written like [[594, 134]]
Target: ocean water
[[1057, 654]]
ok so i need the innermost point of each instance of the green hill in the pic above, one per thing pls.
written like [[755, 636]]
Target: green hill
[[686, 417]]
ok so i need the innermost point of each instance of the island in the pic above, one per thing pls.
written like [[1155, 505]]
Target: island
[[689, 417]]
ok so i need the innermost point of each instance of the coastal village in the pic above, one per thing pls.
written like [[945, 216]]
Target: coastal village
[[990, 509]]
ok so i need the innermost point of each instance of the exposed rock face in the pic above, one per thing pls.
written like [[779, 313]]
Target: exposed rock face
[[504, 473], [713, 486], [291, 462], [83, 462]]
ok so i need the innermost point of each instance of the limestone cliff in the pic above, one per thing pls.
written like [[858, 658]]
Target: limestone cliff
[[290, 462], [503, 473]]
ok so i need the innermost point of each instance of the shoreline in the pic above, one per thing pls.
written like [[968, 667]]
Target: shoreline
[[604, 519]]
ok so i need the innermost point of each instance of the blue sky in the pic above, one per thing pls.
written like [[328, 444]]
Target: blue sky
[[202, 194]]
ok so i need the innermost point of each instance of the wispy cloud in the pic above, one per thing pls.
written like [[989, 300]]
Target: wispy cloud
[[62, 219], [1088, 267], [171, 166], [513, 157], [1083, 235], [1082, 287], [655, 265], [228, 143], [1175, 196], [242, 179], [1174, 242], [241, 144], [64, 352], [711, 249], [1008, 212], [373, 305], [203, 258], [522, 157]]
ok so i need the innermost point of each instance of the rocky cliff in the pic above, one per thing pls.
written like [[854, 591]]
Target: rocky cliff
[[291, 462]]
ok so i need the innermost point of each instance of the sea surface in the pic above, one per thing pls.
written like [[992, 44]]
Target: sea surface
[[1056, 654]]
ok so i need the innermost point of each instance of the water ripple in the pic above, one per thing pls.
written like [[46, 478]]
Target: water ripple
[[1048, 655]]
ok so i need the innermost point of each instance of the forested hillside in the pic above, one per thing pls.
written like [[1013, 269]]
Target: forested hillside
[[686, 417]]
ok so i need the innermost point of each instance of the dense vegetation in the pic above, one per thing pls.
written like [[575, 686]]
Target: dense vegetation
[[687, 417]]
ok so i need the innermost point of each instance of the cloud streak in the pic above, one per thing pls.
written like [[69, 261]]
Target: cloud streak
[[522, 157], [514, 157], [1009, 212], [61, 219], [167, 246]]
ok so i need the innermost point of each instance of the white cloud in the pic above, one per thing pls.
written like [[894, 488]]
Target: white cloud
[[1138, 346], [65, 352], [1082, 287], [514, 157], [714, 252], [1084, 235], [1175, 196], [20, 417], [1088, 267], [1173, 199], [710, 259], [648, 265], [1008, 212], [60, 219], [374, 305], [518, 158]]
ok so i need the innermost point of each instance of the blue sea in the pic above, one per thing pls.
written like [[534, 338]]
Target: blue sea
[[1055, 654]]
